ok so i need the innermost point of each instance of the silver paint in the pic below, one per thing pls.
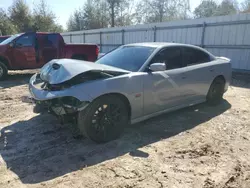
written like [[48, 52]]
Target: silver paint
[[160, 91]]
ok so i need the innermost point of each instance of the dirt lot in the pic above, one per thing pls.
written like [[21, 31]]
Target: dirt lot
[[200, 146]]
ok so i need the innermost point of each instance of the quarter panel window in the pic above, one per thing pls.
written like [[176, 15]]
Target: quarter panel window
[[192, 56]]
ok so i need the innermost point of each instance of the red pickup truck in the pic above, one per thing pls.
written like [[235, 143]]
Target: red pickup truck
[[32, 50]]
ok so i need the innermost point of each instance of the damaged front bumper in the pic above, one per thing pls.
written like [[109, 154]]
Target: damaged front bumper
[[59, 103]]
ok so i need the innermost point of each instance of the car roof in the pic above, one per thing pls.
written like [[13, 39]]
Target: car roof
[[45, 33], [159, 44]]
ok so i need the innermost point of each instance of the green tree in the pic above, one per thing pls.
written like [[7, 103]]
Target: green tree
[[6, 26], [227, 7], [92, 15], [75, 21], [44, 18], [149, 11], [20, 15], [245, 6], [124, 13], [116, 9], [101, 13], [207, 8]]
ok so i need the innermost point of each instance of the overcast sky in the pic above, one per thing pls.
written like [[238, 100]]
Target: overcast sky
[[63, 8]]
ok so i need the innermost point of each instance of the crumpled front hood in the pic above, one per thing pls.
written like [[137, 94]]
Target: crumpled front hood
[[60, 70]]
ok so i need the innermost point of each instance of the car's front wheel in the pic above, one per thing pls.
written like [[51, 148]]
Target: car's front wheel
[[216, 91], [104, 119]]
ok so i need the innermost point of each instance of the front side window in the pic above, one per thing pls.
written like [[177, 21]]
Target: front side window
[[10, 39], [170, 56], [130, 58], [192, 56], [26, 40]]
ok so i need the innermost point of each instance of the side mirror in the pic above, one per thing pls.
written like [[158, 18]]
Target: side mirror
[[157, 67], [11, 44]]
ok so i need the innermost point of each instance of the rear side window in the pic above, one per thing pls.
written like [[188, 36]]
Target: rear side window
[[170, 56], [192, 56], [2, 39], [50, 40]]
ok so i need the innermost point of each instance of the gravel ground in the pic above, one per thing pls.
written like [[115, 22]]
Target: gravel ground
[[200, 146]]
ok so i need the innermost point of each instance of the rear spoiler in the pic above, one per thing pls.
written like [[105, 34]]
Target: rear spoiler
[[97, 51], [223, 58]]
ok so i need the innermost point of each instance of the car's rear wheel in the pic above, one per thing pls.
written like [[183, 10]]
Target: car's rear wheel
[[216, 91], [3, 71], [104, 119]]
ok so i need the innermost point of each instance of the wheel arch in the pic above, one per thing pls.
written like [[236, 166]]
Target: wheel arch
[[216, 77], [5, 61], [220, 77]]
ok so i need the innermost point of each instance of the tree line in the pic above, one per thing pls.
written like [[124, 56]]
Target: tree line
[[20, 18], [94, 14]]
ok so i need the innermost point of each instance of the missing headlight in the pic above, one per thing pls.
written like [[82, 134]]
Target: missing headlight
[[70, 101]]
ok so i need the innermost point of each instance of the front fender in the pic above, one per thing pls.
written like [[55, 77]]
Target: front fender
[[128, 85]]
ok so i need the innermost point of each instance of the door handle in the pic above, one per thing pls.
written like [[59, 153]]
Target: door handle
[[183, 77], [211, 70]]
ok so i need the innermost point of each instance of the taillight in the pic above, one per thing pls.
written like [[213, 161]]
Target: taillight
[[97, 51]]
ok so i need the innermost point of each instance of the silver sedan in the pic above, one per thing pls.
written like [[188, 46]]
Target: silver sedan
[[130, 84]]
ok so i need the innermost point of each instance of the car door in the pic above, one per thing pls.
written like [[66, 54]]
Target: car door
[[23, 52], [199, 72], [165, 89]]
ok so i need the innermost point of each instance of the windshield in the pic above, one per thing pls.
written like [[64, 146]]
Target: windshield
[[2, 39], [8, 40], [130, 58]]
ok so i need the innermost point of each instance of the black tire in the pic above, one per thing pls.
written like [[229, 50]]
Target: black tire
[[3, 71], [104, 119], [216, 91]]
